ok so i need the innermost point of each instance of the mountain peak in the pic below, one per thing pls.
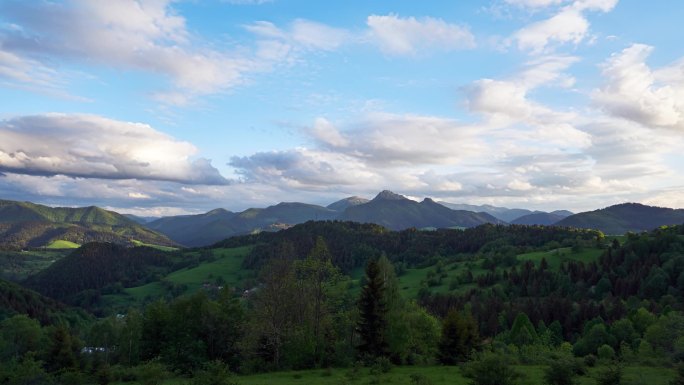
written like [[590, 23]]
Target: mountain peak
[[389, 195], [342, 204], [218, 211]]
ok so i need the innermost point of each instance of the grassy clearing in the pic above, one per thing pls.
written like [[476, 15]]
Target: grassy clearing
[[411, 281], [226, 268], [62, 244], [436, 375], [17, 265], [557, 256], [158, 247]]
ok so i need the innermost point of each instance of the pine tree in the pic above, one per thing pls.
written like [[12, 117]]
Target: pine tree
[[372, 322], [459, 338]]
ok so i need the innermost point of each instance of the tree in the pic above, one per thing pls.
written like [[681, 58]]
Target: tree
[[459, 338], [20, 335], [372, 324]]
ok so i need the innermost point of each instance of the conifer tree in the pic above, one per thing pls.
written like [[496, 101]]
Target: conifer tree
[[372, 322]]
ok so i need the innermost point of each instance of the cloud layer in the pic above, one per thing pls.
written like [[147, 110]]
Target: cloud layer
[[88, 146]]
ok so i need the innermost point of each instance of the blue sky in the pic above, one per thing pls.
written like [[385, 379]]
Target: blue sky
[[160, 107]]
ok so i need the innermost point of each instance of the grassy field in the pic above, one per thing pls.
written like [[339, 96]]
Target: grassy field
[[158, 247], [226, 268], [62, 244], [17, 265], [436, 375], [411, 281]]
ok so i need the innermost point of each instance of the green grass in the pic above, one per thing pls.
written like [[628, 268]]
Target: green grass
[[158, 247], [17, 265], [227, 265], [62, 244], [437, 375], [410, 281], [557, 256]]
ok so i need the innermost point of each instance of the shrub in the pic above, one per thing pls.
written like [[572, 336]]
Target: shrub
[[611, 375], [151, 373], [590, 360], [420, 379], [605, 352], [214, 373], [492, 369], [561, 371]]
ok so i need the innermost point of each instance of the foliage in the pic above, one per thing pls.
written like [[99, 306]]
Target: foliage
[[612, 374], [562, 370], [459, 338], [492, 369], [214, 373]]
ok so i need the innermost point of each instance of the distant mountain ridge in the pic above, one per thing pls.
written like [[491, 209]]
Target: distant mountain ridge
[[621, 218], [538, 218], [388, 209], [397, 212], [503, 213], [26, 224]]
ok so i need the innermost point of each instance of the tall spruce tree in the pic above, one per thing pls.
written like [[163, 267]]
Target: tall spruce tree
[[372, 322]]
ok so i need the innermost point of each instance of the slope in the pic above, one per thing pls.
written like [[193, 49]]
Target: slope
[[619, 219], [25, 224]]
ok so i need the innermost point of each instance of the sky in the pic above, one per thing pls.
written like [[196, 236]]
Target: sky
[[158, 107]]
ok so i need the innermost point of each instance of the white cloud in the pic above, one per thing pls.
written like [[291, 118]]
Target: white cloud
[[91, 146], [633, 91], [568, 25], [146, 35], [301, 34], [409, 36], [534, 3], [519, 185]]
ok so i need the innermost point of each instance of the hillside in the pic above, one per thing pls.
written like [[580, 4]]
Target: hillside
[[15, 299], [545, 219], [619, 219], [25, 224], [397, 212]]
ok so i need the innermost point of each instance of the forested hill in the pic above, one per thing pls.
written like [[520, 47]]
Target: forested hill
[[25, 224], [353, 244], [95, 266], [15, 299], [619, 219]]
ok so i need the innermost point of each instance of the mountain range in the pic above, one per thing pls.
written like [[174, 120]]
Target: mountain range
[[24, 224]]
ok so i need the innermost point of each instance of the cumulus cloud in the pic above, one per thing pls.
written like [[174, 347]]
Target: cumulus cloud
[[301, 34], [91, 146], [568, 25], [633, 91], [409, 36]]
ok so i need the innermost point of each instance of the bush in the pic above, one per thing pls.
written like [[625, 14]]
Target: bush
[[151, 373], [561, 371], [382, 365], [605, 352], [590, 360], [214, 373], [492, 369], [420, 379], [611, 375], [679, 378]]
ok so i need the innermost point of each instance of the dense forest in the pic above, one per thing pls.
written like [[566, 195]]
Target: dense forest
[[332, 295]]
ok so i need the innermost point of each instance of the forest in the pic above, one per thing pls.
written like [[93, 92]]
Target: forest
[[360, 304]]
